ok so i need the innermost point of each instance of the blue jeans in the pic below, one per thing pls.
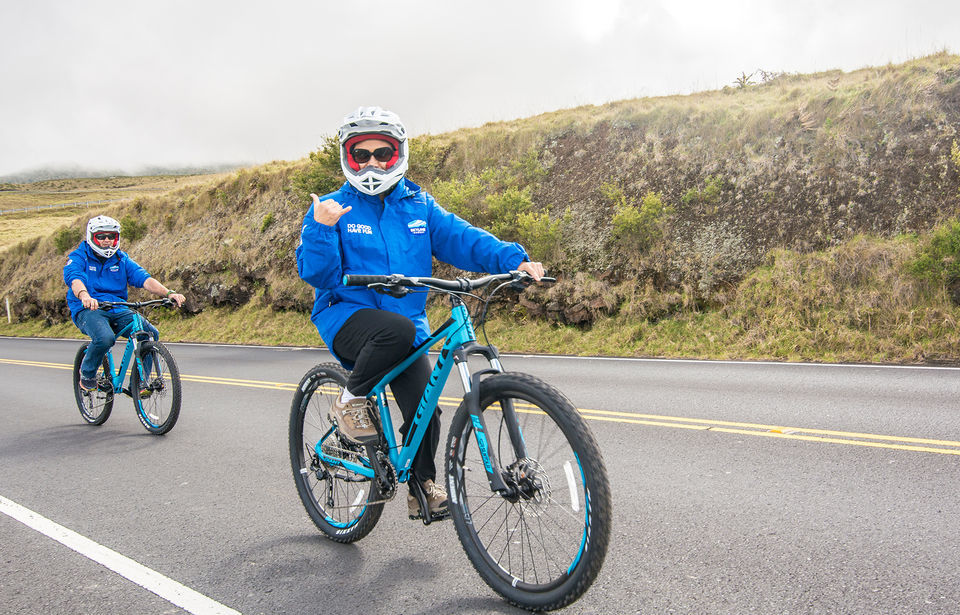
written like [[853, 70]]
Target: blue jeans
[[102, 327]]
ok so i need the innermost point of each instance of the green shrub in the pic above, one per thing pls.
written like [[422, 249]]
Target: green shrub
[[939, 259], [504, 210], [426, 159], [323, 174], [461, 196], [267, 221], [708, 195], [67, 239], [527, 169], [132, 229], [541, 237], [637, 229]]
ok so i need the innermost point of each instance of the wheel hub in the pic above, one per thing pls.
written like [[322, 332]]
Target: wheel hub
[[528, 482]]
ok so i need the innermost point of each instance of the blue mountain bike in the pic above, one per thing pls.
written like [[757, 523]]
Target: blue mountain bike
[[528, 489], [154, 383]]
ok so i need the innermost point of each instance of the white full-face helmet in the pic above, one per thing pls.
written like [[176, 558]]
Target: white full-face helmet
[[103, 224], [373, 123]]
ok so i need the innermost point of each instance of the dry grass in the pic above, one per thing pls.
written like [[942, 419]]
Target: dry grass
[[19, 226], [806, 162]]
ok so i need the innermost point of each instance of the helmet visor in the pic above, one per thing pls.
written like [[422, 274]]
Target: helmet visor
[[389, 155], [106, 236]]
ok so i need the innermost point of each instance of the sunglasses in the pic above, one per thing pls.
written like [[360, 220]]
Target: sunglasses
[[382, 154], [106, 236]]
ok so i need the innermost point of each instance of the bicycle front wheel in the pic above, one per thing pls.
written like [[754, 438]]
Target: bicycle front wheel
[[95, 405], [542, 544], [337, 500], [156, 396]]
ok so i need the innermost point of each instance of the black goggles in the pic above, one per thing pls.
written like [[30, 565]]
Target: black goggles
[[105, 235], [382, 154]]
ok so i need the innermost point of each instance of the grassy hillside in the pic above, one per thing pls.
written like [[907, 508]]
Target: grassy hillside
[[804, 217], [54, 203]]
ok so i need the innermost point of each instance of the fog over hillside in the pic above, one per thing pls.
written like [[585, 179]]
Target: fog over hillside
[[120, 85]]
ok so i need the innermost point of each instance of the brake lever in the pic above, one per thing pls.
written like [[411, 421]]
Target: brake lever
[[391, 289], [526, 280]]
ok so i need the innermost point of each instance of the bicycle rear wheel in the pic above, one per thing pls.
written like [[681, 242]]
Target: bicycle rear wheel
[[95, 405], [542, 546], [156, 397], [336, 499]]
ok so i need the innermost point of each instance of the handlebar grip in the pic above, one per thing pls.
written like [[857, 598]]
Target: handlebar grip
[[364, 280]]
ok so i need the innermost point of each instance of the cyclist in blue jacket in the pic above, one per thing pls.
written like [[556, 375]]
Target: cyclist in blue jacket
[[378, 223], [99, 271]]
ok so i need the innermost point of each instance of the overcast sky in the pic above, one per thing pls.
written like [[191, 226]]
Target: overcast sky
[[122, 84]]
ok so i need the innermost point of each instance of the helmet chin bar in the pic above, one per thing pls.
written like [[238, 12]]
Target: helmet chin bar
[[374, 181], [371, 184]]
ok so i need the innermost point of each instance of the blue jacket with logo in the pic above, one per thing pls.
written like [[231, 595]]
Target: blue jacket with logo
[[105, 279], [401, 235]]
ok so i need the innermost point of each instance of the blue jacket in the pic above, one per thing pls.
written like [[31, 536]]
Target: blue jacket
[[401, 235], [105, 279]]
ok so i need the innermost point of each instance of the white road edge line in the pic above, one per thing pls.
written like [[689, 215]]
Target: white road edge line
[[151, 580]]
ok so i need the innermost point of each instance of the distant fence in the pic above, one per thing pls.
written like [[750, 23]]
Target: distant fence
[[60, 205]]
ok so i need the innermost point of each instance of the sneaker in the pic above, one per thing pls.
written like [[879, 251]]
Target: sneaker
[[353, 419], [145, 393], [87, 384], [436, 501]]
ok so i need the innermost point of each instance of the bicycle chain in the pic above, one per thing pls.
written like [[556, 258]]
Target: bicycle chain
[[328, 467]]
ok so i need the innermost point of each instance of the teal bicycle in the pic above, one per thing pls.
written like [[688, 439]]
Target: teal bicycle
[[528, 489], [154, 383]]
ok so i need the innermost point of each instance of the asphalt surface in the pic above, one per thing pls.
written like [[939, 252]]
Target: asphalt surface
[[738, 488]]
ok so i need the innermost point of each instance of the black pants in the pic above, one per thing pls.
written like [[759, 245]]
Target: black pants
[[374, 341]]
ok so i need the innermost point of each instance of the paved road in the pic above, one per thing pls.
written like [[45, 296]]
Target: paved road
[[739, 488]]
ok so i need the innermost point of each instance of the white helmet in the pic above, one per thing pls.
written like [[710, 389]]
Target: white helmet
[[373, 123], [103, 224]]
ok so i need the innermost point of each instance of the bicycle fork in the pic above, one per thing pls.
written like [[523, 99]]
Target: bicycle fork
[[471, 387]]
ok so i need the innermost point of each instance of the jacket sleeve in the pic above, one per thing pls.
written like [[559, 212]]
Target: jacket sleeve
[[74, 269], [319, 262], [457, 242], [136, 275]]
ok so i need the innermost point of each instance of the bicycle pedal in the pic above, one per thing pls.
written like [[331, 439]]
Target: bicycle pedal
[[439, 516]]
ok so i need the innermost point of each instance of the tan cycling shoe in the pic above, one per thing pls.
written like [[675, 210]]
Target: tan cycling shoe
[[436, 501], [353, 419]]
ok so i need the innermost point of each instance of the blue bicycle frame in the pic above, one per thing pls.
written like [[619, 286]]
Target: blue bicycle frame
[[461, 341], [131, 332]]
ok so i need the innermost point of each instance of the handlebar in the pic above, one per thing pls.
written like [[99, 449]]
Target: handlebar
[[458, 285], [108, 305]]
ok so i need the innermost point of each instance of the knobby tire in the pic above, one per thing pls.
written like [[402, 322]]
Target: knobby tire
[[544, 552], [336, 500]]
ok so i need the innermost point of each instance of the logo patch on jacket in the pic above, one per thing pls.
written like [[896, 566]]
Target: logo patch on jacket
[[92, 267], [418, 227], [115, 268], [363, 229]]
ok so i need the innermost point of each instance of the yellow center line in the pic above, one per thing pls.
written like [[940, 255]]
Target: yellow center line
[[828, 436]]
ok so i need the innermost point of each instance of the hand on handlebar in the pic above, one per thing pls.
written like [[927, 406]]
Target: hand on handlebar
[[89, 302], [534, 269]]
